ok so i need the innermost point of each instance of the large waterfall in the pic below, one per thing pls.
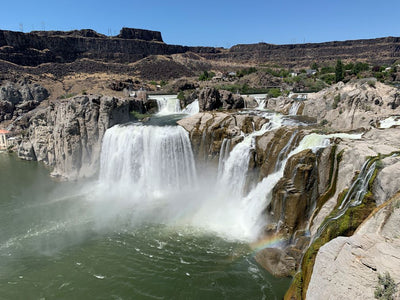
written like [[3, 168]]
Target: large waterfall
[[148, 160], [153, 167]]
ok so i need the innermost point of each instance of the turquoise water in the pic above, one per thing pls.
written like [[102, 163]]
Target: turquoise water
[[58, 242]]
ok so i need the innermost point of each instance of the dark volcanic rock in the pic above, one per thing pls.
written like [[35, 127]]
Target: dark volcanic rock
[[35, 48], [18, 98], [231, 101], [209, 99], [140, 34]]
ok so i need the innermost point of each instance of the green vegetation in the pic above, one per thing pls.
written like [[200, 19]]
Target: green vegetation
[[336, 100], [181, 95], [246, 71], [206, 76], [371, 83], [323, 122], [339, 71], [345, 225], [242, 88], [386, 287], [274, 92], [68, 95], [138, 116], [282, 73]]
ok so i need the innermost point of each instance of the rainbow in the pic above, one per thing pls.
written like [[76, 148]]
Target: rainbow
[[274, 241]]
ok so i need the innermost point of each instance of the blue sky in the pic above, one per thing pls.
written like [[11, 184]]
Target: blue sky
[[213, 23]]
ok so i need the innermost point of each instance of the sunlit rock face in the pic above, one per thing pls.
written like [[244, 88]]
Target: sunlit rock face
[[67, 135], [348, 267]]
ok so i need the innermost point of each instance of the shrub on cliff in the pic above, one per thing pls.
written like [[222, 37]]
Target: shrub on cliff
[[339, 72], [385, 288]]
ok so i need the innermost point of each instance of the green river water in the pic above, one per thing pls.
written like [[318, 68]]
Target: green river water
[[56, 244]]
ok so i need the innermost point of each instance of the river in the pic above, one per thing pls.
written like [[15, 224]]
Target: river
[[58, 240]]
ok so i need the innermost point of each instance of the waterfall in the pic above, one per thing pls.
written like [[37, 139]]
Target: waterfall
[[153, 160], [192, 108], [283, 153], [149, 172], [223, 155], [353, 197], [233, 170], [168, 104], [389, 122], [259, 198], [261, 101], [294, 108]]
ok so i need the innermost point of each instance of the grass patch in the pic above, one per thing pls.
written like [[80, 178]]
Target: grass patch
[[139, 116], [68, 95]]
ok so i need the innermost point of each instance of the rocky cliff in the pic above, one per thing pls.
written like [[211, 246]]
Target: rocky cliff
[[376, 51], [67, 135], [38, 47], [17, 98], [348, 267]]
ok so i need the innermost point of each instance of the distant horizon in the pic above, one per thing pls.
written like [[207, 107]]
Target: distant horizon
[[162, 35], [213, 23]]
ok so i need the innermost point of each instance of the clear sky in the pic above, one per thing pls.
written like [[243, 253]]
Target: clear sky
[[212, 22]]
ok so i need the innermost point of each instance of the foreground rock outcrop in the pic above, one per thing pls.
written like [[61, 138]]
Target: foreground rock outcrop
[[67, 135], [17, 98], [348, 267]]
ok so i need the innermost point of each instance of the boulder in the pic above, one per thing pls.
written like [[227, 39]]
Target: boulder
[[276, 261], [209, 99], [231, 101]]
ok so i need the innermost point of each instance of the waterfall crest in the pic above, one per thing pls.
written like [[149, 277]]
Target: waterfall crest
[[170, 104]]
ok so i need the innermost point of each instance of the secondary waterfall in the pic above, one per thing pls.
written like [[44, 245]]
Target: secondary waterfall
[[294, 108], [233, 170], [170, 104]]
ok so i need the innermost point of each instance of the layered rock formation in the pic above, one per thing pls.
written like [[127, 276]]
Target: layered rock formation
[[348, 267], [20, 97], [38, 47], [360, 104], [67, 135], [378, 51]]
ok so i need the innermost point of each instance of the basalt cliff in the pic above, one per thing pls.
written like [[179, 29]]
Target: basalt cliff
[[88, 51]]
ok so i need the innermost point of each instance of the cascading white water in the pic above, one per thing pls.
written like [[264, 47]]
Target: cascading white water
[[148, 160], [170, 104], [246, 211], [167, 104], [294, 108], [389, 122], [192, 108], [153, 168], [233, 170]]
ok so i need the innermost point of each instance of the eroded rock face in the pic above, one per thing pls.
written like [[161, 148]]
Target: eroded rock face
[[207, 131], [67, 135], [296, 192], [360, 104], [348, 267], [18, 98], [211, 99]]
